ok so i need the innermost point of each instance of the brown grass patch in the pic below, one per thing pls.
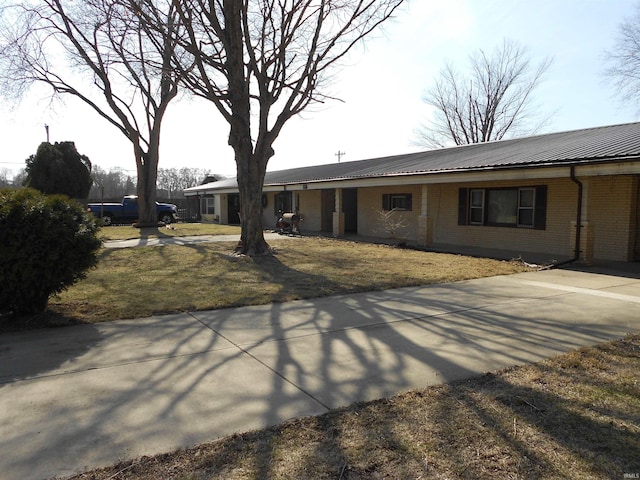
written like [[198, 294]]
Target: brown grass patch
[[573, 416], [140, 282]]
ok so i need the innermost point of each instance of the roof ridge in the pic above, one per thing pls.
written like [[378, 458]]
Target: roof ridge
[[467, 145], [586, 145]]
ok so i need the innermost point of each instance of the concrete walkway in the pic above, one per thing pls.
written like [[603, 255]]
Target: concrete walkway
[[80, 397], [184, 240]]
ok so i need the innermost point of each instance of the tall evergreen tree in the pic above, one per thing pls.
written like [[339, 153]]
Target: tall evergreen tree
[[59, 168]]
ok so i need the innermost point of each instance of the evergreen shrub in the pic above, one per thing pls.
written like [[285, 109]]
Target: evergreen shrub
[[47, 243]]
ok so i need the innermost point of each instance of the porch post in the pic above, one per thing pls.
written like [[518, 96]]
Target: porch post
[[338, 215]]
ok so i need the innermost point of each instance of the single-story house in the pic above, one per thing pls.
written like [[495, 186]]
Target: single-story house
[[558, 196]]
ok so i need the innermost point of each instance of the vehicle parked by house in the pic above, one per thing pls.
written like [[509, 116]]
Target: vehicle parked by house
[[127, 211]]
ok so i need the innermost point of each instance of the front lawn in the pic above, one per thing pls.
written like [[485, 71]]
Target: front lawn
[[139, 282]]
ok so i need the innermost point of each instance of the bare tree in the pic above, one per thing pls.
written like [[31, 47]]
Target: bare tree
[[100, 52], [111, 185], [174, 180], [5, 181], [624, 60], [20, 178], [490, 103], [261, 62], [169, 180]]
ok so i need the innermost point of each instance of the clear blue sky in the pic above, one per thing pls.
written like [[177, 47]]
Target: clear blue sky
[[381, 87]]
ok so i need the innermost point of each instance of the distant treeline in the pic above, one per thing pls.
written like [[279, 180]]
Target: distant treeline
[[116, 182]]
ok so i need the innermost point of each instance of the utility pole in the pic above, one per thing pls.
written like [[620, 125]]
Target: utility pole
[[339, 155], [46, 127]]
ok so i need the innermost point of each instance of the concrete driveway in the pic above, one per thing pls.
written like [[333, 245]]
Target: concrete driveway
[[80, 397]]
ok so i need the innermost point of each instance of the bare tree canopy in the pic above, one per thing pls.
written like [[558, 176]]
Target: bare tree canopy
[[624, 60], [261, 62], [99, 52], [111, 185], [490, 102], [173, 181]]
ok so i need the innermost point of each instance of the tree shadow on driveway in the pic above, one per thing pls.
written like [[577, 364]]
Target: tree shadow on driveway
[[360, 347], [43, 352]]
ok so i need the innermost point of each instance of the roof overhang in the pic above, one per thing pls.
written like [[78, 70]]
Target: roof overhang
[[625, 166]]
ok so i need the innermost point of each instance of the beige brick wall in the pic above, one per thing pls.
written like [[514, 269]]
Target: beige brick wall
[[553, 241], [610, 217], [310, 208], [370, 205], [309, 205], [611, 210]]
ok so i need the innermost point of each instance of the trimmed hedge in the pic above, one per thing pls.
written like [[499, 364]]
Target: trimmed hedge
[[47, 243]]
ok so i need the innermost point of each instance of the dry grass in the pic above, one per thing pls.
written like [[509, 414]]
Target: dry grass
[[573, 416], [140, 282]]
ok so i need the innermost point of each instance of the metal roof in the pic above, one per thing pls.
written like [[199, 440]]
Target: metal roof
[[592, 145]]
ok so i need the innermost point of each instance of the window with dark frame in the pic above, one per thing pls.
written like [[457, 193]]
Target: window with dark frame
[[207, 206], [476, 207], [523, 207], [283, 203], [526, 207], [397, 201]]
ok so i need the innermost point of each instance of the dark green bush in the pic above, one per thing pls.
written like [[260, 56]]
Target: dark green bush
[[59, 168], [47, 243]]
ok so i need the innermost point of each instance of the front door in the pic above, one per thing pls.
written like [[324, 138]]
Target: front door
[[636, 246], [350, 209], [233, 209], [328, 206]]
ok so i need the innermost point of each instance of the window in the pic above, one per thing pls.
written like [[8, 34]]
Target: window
[[524, 207], [283, 202], [396, 201], [476, 207], [503, 207], [208, 206]]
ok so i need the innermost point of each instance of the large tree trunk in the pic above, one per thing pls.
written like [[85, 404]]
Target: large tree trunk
[[251, 161], [252, 240], [147, 167], [251, 168]]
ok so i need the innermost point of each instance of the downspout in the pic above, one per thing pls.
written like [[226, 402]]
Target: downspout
[[575, 180], [576, 255]]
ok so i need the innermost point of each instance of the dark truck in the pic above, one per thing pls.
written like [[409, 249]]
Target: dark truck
[[127, 211]]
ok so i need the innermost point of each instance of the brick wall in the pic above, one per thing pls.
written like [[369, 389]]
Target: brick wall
[[553, 240], [370, 205], [611, 213]]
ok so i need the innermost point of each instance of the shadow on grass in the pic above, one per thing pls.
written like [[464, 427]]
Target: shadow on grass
[[504, 425], [542, 429]]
